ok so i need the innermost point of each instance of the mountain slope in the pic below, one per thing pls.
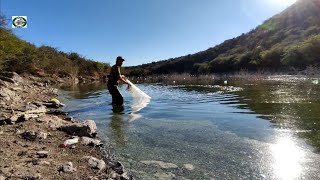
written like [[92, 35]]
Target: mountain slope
[[289, 40]]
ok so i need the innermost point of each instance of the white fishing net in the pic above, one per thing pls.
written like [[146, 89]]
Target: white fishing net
[[139, 98]]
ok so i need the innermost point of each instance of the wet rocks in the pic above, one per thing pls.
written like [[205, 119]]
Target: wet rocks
[[96, 163], [91, 142], [86, 128], [117, 167]]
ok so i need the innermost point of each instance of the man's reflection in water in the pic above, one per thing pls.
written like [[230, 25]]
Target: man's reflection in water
[[117, 125]]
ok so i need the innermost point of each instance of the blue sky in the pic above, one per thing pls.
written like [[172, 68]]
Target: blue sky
[[141, 31]]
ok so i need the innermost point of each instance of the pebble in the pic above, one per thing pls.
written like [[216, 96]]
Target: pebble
[[42, 154], [68, 167], [190, 167]]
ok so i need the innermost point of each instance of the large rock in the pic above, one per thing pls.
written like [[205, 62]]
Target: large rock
[[11, 77], [86, 128]]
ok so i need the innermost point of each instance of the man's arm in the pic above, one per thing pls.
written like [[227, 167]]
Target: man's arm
[[122, 77]]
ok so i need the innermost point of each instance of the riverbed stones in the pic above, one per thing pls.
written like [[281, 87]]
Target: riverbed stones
[[161, 164], [164, 176], [189, 167], [86, 128]]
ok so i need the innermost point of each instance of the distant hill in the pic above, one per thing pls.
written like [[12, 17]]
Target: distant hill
[[287, 41], [22, 57]]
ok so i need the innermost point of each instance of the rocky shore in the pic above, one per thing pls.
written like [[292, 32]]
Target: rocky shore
[[40, 142]]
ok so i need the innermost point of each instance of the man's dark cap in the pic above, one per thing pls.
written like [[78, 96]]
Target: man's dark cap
[[119, 58]]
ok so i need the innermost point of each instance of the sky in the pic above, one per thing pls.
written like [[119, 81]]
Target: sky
[[141, 31]]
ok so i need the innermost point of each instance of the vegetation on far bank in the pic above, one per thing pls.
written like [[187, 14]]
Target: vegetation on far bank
[[22, 57], [287, 42]]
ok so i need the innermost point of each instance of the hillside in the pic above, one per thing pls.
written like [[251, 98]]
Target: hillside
[[45, 61], [288, 41]]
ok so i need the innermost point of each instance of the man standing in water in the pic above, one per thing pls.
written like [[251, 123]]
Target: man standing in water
[[113, 78]]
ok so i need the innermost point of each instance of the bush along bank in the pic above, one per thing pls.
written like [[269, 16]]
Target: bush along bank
[[40, 142]]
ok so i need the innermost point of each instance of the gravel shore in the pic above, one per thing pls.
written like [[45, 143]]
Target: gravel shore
[[34, 134]]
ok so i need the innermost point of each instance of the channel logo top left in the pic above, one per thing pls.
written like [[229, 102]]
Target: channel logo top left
[[19, 21]]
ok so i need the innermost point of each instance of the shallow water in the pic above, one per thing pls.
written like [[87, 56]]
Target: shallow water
[[263, 130]]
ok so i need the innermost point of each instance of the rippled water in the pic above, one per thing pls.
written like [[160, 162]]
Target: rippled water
[[264, 131]]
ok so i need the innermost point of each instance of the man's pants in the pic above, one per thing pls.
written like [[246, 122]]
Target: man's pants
[[117, 98]]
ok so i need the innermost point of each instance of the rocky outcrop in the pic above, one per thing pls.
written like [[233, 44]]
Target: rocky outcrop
[[11, 77]]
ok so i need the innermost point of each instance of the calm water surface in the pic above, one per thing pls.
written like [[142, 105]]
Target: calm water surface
[[268, 130]]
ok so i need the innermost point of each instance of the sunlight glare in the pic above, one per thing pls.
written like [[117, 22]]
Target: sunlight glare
[[282, 2], [288, 158]]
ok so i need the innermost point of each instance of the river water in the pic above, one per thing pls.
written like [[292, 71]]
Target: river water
[[235, 129]]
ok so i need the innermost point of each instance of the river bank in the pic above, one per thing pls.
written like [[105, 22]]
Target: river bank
[[33, 134]]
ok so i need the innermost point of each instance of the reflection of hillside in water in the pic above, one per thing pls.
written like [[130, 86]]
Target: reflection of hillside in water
[[83, 91]]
